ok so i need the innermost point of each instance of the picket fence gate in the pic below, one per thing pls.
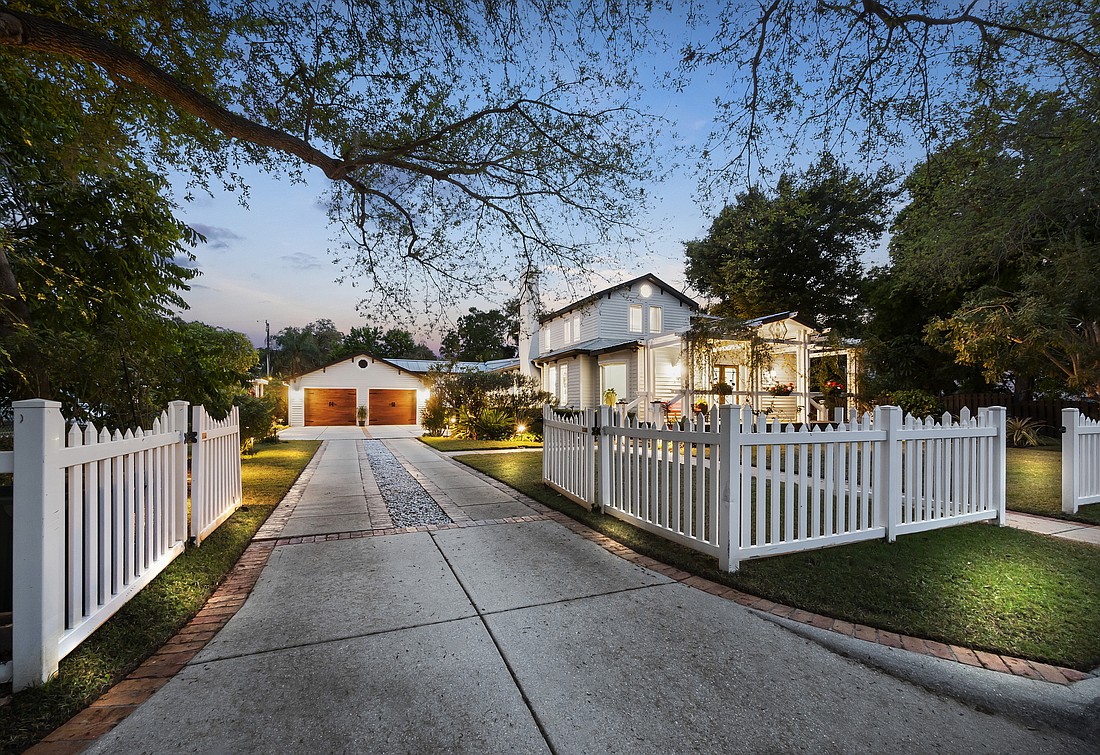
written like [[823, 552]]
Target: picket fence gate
[[1080, 461], [746, 486], [97, 515]]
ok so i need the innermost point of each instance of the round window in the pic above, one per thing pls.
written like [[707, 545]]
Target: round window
[[363, 363]]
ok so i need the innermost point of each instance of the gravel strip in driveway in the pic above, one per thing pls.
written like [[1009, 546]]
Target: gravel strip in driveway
[[408, 503]]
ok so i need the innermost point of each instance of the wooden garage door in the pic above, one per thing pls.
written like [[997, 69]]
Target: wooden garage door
[[330, 406], [389, 406]]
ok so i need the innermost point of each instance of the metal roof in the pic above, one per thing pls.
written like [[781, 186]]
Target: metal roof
[[660, 284], [591, 347]]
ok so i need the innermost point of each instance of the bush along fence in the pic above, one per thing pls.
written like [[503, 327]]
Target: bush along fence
[[1080, 461], [744, 486], [97, 515]]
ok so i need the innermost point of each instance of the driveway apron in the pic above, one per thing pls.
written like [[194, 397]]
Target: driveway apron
[[517, 636]]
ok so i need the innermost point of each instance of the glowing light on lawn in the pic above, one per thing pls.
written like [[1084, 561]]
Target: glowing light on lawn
[[521, 428]]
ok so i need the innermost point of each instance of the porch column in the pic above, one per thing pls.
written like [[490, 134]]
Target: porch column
[[802, 374]]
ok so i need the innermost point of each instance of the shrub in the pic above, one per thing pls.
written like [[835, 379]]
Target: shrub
[[916, 402], [434, 417], [1022, 431], [257, 417], [493, 424]]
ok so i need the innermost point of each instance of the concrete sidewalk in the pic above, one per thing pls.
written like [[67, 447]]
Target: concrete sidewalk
[[520, 636]]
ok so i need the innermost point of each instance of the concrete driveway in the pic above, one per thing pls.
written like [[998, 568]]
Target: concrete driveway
[[522, 637]]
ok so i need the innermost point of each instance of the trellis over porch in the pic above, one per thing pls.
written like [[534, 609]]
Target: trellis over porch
[[766, 364]]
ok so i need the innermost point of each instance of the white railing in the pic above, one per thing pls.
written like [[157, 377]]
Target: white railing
[[1080, 461], [569, 454], [746, 486], [215, 470], [97, 516]]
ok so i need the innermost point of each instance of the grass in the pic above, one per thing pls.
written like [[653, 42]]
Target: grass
[[460, 444], [996, 589], [1034, 482], [160, 610]]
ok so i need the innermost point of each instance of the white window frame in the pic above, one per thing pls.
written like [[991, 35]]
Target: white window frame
[[655, 323], [634, 318], [577, 329], [563, 392], [552, 382], [565, 331]]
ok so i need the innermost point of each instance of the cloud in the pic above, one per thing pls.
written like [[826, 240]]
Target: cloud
[[186, 262], [216, 236], [302, 261]]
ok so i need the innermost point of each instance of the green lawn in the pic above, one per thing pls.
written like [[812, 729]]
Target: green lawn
[[985, 587], [460, 444], [161, 609], [1034, 484]]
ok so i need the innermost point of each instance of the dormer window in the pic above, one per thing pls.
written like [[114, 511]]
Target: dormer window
[[635, 322]]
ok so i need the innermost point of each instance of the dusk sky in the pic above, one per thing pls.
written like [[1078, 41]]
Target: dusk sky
[[272, 260]]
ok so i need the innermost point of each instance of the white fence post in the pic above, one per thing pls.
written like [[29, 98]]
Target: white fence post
[[1071, 480], [729, 471], [38, 579], [603, 454], [589, 439], [177, 422], [888, 418], [998, 416]]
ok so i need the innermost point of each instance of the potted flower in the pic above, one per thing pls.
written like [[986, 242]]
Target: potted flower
[[781, 389], [361, 414], [701, 407], [722, 390], [609, 397], [833, 395]]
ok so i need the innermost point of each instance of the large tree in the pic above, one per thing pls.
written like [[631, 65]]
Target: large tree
[[796, 248], [453, 134], [1007, 220], [481, 336]]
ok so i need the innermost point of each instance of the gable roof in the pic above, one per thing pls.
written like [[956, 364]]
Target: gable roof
[[650, 277]]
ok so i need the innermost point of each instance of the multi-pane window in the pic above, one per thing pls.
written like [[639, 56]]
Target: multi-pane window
[[654, 320], [635, 318]]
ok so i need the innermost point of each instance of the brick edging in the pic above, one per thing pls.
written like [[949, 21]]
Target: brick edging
[[109, 710]]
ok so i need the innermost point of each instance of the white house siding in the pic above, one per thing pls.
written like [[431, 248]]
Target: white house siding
[[348, 374], [552, 332], [614, 314]]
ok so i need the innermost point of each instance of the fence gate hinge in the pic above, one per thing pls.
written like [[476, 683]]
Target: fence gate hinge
[[191, 436]]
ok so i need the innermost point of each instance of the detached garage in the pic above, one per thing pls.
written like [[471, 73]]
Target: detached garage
[[331, 395]]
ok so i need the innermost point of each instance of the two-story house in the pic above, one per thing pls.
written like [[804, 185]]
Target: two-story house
[[636, 339]]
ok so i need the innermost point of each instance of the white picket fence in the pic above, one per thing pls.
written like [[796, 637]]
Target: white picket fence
[[1080, 461], [569, 454], [97, 515], [746, 486], [215, 470]]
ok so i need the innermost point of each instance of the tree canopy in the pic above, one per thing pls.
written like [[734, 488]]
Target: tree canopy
[[796, 248], [877, 77], [502, 120], [1008, 220], [299, 350], [482, 336]]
